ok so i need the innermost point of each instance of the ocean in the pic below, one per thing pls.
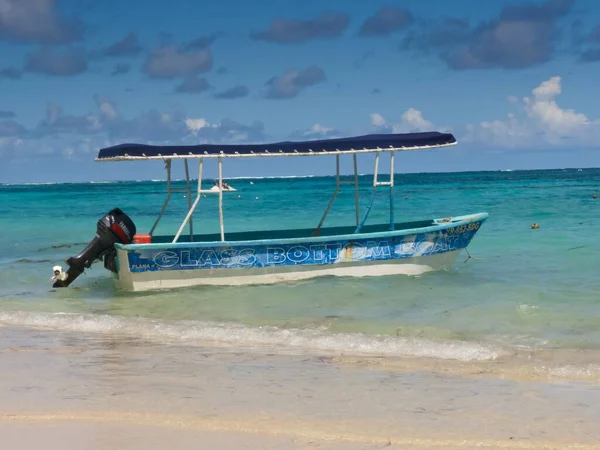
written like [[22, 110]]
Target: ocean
[[501, 351], [524, 289]]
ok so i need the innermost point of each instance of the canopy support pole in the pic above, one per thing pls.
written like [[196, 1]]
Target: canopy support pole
[[392, 191], [221, 225], [189, 197], [356, 208], [164, 207], [196, 200]]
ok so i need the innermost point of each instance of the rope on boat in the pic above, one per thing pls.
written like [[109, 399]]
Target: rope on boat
[[469, 255], [362, 222]]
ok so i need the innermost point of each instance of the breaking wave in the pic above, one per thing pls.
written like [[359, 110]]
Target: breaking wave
[[276, 339]]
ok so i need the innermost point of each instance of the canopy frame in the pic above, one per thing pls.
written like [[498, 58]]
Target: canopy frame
[[193, 205], [380, 143]]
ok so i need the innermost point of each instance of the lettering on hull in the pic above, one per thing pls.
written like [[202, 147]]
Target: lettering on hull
[[277, 255]]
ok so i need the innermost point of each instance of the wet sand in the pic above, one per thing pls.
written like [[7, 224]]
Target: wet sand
[[97, 391]]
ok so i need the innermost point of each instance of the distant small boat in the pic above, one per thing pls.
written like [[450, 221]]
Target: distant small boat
[[225, 187], [148, 261]]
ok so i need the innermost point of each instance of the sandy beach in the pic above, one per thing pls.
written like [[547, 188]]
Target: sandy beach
[[96, 391]]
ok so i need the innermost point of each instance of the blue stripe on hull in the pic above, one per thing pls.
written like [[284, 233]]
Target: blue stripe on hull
[[159, 257]]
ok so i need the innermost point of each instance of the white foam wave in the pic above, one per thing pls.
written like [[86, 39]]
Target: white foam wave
[[39, 183], [189, 333], [273, 177], [53, 183]]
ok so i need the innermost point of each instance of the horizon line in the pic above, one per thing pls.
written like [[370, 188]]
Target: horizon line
[[152, 180]]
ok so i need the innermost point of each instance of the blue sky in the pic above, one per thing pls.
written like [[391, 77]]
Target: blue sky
[[516, 82]]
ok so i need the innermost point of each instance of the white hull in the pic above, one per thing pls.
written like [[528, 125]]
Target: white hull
[[143, 281], [226, 189]]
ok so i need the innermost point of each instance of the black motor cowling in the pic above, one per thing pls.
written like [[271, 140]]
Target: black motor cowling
[[115, 227]]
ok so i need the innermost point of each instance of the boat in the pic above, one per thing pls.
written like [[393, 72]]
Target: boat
[[147, 261], [224, 186]]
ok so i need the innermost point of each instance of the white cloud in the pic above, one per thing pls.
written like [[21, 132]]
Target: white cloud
[[195, 125], [537, 119], [377, 120], [317, 131], [108, 110], [411, 121], [543, 109], [225, 131], [548, 89]]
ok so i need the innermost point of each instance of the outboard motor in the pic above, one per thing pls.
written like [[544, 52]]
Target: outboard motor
[[115, 227]]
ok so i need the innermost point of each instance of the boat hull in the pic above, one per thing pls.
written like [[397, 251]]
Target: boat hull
[[225, 189], [410, 252]]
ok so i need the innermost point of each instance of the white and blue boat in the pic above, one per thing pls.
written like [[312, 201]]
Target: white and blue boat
[[148, 261]]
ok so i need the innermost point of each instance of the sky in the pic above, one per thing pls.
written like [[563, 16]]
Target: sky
[[515, 82]]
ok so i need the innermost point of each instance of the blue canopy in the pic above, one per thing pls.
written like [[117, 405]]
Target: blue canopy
[[358, 144]]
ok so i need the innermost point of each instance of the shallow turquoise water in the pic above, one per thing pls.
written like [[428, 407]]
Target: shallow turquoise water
[[532, 288]]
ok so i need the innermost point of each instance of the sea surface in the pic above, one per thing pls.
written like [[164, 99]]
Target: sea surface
[[523, 290]]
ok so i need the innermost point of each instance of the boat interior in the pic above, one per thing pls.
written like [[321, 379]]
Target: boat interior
[[293, 233]]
